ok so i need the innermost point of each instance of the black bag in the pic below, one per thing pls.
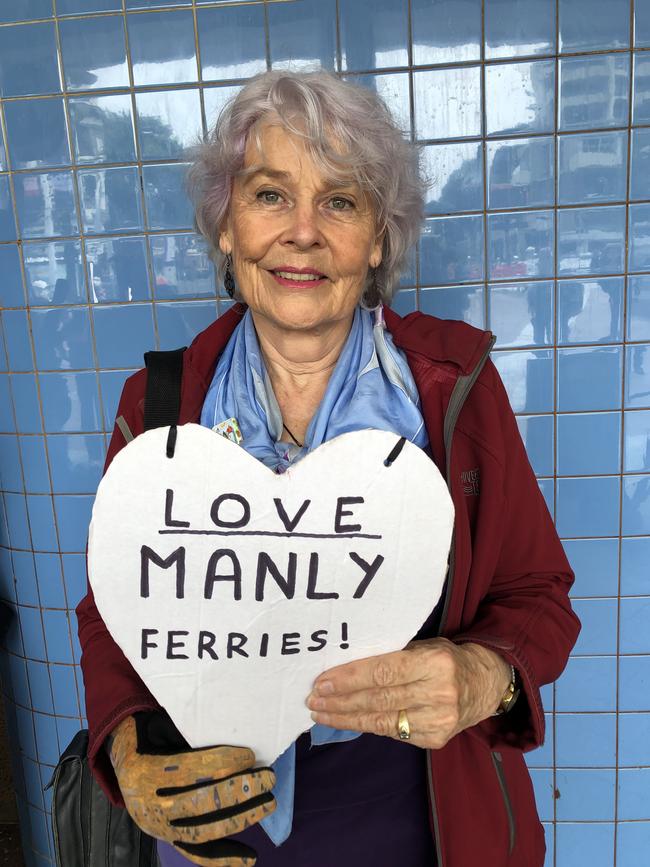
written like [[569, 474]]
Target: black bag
[[88, 830]]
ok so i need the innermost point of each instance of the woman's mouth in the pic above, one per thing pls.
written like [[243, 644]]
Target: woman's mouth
[[298, 279]]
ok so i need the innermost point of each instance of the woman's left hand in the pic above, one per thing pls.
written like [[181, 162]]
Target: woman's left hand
[[443, 687]]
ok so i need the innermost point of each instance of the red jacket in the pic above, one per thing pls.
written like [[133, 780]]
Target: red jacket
[[507, 587]]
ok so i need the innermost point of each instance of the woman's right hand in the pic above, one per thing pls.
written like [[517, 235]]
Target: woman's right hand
[[192, 799]]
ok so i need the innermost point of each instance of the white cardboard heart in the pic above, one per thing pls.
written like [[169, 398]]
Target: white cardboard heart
[[224, 500]]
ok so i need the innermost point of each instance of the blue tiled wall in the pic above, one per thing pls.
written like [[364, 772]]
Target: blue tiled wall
[[535, 116]]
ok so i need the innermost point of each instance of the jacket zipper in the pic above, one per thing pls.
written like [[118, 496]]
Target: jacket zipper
[[498, 767], [458, 397]]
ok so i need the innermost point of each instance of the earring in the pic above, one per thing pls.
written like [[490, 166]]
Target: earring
[[372, 297], [228, 279]]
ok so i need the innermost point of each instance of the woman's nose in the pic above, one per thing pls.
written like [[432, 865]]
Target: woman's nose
[[304, 229]]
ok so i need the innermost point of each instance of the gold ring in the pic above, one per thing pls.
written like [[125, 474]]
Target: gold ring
[[403, 727]]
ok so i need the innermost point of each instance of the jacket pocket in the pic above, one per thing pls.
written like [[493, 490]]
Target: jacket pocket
[[501, 777]]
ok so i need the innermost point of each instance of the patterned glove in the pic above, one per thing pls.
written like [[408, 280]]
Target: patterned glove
[[190, 798]]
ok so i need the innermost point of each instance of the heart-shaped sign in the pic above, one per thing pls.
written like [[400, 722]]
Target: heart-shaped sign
[[230, 588]]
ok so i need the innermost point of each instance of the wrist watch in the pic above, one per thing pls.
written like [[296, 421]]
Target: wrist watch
[[510, 695]]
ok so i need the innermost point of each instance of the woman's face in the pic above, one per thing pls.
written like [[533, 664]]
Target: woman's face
[[301, 247]]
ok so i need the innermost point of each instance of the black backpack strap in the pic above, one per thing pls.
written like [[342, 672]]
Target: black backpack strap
[[162, 400]]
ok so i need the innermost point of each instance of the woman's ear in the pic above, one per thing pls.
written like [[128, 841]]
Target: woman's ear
[[225, 241], [377, 252]]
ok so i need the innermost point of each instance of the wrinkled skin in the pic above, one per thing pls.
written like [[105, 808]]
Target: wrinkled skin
[[193, 799]]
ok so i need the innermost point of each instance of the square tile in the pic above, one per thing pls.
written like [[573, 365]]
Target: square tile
[[123, 334], [73, 518], [17, 342], [599, 626], [446, 31], [637, 368], [181, 267], [77, 7], [447, 102], [522, 27], [636, 505], [588, 506], [23, 570], [586, 793], [538, 436], [591, 841], [7, 221], [634, 793], [404, 302], [466, 303], [117, 270], [303, 36], [111, 384], [46, 738], [456, 177], [592, 168], [41, 523], [590, 311], [593, 25], [57, 636], [17, 522], [634, 625], [36, 133], [528, 378], [45, 205], [180, 322], [64, 687], [520, 172], [54, 273], [585, 740], [373, 34], [25, 402], [637, 442], [588, 443], [27, 11], [638, 307], [634, 739], [641, 25], [542, 779], [214, 100], [76, 462], [28, 64], [110, 200], [165, 198], [595, 563], [31, 626], [102, 128], [635, 556], [50, 580], [394, 90], [94, 52], [74, 576], [589, 378], [11, 477], [520, 97], [594, 91], [520, 244], [639, 252], [591, 240], [162, 47], [634, 683], [73, 347], [641, 104], [169, 122], [640, 166], [521, 314], [232, 41], [631, 838], [451, 250], [11, 281]]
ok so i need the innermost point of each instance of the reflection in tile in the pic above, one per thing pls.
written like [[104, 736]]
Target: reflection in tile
[[76, 7], [590, 311], [166, 201], [641, 104], [62, 339], [641, 25], [591, 240], [28, 62], [597, 636], [588, 506], [73, 517], [528, 378], [70, 402], [594, 91], [28, 10], [111, 383], [45, 204], [76, 462], [637, 442], [588, 443], [521, 314], [25, 398], [181, 267], [635, 556], [54, 273], [592, 167], [393, 88], [446, 31], [94, 52], [110, 200], [589, 378], [538, 437], [11, 285], [303, 35], [451, 250], [168, 122], [36, 133], [637, 376], [180, 322], [214, 99], [636, 505], [639, 238], [374, 33], [595, 563], [117, 270], [455, 172], [525, 27], [590, 25], [447, 102], [638, 308], [16, 337], [102, 128], [123, 333], [162, 47], [7, 222], [404, 302], [640, 168], [520, 97], [520, 172], [466, 303], [232, 42], [3, 155], [520, 245]]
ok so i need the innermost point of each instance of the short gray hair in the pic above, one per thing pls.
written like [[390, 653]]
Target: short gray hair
[[318, 106]]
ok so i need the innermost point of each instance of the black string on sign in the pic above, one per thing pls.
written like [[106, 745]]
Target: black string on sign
[[171, 441], [395, 451]]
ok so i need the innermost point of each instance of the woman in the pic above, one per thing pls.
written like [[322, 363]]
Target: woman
[[311, 198]]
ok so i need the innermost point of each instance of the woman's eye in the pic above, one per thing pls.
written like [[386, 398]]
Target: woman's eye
[[270, 197], [338, 203]]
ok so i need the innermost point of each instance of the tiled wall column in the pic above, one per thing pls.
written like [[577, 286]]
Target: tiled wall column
[[534, 122]]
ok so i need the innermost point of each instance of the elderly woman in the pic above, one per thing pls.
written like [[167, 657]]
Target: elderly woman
[[311, 198]]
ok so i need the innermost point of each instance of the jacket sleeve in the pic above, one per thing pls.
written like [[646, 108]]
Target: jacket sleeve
[[526, 615], [112, 687]]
